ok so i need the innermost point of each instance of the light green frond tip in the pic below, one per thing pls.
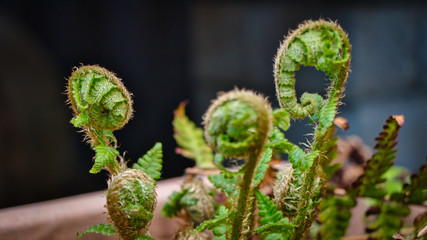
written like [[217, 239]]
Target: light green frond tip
[[104, 229], [151, 162], [104, 155], [190, 140]]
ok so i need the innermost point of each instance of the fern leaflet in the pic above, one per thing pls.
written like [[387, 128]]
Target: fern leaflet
[[190, 139], [262, 167], [151, 162], [104, 229], [104, 155]]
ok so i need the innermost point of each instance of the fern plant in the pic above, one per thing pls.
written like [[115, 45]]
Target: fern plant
[[101, 104], [241, 127]]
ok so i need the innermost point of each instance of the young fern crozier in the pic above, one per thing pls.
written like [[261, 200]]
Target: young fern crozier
[[237, 124], [324, 45], [101, 104]]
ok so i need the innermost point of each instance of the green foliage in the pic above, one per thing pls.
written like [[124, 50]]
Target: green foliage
[[281, 119], [225, 182], [389, 220], [417, 189], [300, 160], [104, 156], [262, 167], [219, 224], [273, 224], [335, 214], [329, 150], [190, 139], [326, 115], [151, 162], [172, 207], [369, 184], [104, 229]]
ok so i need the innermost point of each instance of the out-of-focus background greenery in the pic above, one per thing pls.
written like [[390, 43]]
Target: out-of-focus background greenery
[[167, 52]]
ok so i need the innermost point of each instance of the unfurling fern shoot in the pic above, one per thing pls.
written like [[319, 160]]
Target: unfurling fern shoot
[[237, 124], [101, 104], [324, 45]]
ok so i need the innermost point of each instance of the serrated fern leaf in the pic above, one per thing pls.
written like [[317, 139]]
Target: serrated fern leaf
[[262, 167], [104, 229], [277, 141], [389, 220], [104, 155], [226, 183], [417, 189], [172, 207], [300, 160], [335, 215], [381, 161], [268, 211], [219, 224], [326, 115], [151, 162], [190, 139]]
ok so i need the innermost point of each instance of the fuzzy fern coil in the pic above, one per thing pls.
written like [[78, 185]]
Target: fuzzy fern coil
[[98, 98]]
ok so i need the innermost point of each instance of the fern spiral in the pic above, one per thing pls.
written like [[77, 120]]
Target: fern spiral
[[131, 200], [237, 123], [98, 98], [322, 44]]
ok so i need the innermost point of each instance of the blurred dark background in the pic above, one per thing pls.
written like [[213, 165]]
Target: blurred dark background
[[167, 52]]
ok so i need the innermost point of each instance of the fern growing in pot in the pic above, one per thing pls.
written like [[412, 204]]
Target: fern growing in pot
[[241, 126]]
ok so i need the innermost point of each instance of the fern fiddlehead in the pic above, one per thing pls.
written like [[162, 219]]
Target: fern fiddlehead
[[99, 100], [324, 45], [321, 44], [131, 200], [101, 104], [237, 124]]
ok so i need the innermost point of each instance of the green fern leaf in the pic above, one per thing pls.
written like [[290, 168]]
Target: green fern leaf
[[190, 139], [278, 141], [300, 160], [144, 238], [326, 115], [417, 189], [262, 167], [225, 182], [220, 224], [172, 207], [151, 162], [104, 229], [335, 216], [369, 183], [104, 155], [268, 211]]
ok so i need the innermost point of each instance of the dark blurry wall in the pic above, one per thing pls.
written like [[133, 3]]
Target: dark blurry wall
[[169, 52]]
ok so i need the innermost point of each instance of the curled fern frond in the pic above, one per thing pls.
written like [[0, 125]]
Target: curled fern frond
[[100, 97], [131, 200], [322, 44], [237, 123]]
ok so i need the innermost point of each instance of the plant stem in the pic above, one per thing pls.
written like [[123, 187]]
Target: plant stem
[[245, 191]]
